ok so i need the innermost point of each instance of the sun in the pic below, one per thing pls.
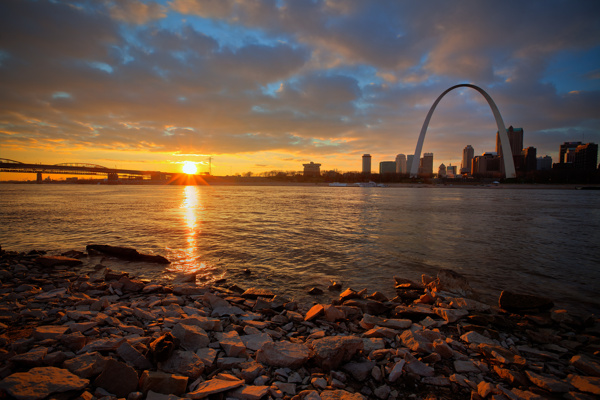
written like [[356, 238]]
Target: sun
[[189, 168]]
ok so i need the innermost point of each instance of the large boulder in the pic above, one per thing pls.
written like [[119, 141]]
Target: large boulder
[[451, 281], [517, 302], [331, 351], [41, 382], [117, 378], [283, 354]]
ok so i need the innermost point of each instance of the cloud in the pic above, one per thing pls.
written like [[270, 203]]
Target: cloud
[[136, 12]]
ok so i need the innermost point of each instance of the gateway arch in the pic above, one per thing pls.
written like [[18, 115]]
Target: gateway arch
[[509, 165]]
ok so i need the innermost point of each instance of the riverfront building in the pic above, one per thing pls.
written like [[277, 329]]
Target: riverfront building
[[387, 167], [312, 169], [442, 171], [401, 164], [366, 164], [467, 160], [544, 163], [426, 164], [409, 161]]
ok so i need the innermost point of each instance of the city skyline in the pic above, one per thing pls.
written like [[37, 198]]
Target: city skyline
[[262, 86]]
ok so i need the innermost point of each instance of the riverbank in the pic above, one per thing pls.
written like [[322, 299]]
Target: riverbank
[[108, 335]]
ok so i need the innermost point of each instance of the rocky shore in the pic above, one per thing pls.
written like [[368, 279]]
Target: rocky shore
[[106, 335]]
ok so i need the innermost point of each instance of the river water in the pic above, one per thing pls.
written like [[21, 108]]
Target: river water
[[293, 238]]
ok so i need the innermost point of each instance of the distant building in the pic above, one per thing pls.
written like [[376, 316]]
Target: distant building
[[366, 164], [312, 169], [515, 138], [544, 163], [529, 159], [586, 156], [442, 171], [426, 164], [451, 171], [488, 164], [387, 167], [409, 162], [467, 159], [564, 149], [401, 164]]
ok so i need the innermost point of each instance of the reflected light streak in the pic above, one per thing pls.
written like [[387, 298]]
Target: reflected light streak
[[191, 208]]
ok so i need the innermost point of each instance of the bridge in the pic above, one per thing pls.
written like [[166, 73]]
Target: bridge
[[112, 174]]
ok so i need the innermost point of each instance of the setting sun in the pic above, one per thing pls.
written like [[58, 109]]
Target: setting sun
[[189, 168]]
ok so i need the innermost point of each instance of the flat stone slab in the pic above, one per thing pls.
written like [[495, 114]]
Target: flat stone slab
[[213, 386], [49, 331], [283, 354], [54, 261], [41, 382]]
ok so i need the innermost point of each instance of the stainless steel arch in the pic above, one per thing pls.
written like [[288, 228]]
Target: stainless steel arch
[[509, 165]]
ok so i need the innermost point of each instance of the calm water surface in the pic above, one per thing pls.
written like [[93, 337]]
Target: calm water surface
[[293, 237]]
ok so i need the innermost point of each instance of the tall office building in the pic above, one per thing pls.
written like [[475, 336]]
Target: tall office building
[[426, 164], [586, 156], [401, 164], [387, 167], [515, 138], [451, 171], [467, 160], [312, 169], [409, 161], [565, 148], [366, 167], [529, 159]]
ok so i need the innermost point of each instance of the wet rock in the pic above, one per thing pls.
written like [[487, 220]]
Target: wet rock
[[161, 382], [125, 253], [41, 382], [516, 302], [314, 312], [469, 304], [451, 281], [213, 386], [283, 354], [55, 261], [254, 293], [331, 351], [315, 291], [117, 378]]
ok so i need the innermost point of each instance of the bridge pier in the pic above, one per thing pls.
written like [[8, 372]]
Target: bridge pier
[[39, 177], [113, 176]]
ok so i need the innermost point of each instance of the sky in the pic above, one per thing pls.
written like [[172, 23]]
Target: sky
[[262, 85]]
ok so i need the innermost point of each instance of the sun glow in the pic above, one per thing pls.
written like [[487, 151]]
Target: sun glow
[[189, 168]]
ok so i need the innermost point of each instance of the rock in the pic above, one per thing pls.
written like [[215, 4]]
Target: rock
[[33, 358], [359, 370], [161, 382], [586, 384], [207, 355], [515, 302], [416, 342], [190, 337], [451, 314], [465, 366], [256, 341], [450, 281], [248, 392], [332, 313], [54, 261], [476, 338], [208, 324], [468, 304], [340, 395], [442, 348], [86, 365], [49, 331], [117, 378], [315, 291], [254, 293], [485, 388], [515, 378], [162, 348], [501, 354], [551, 384], [125, 253], [213, 386], [185, 363], [417, 367], [331, 351], [41, 382], [586, 365], [132, 356], [314, 312], [232, 344], [396, 372], [283, 354]]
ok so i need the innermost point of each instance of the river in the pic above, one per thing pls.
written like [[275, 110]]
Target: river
[[292, 238]]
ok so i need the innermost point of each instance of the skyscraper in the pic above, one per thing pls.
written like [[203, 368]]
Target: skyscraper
[[409, 161], [401, 164], [515, 138], [467, 159], [426, 165], [544, 163], [442, 171], [387, 167], [366, 166], [586, 156], [564, 149], [529, 159]]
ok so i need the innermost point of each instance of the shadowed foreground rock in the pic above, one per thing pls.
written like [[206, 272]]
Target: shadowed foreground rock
[[66, 335]]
